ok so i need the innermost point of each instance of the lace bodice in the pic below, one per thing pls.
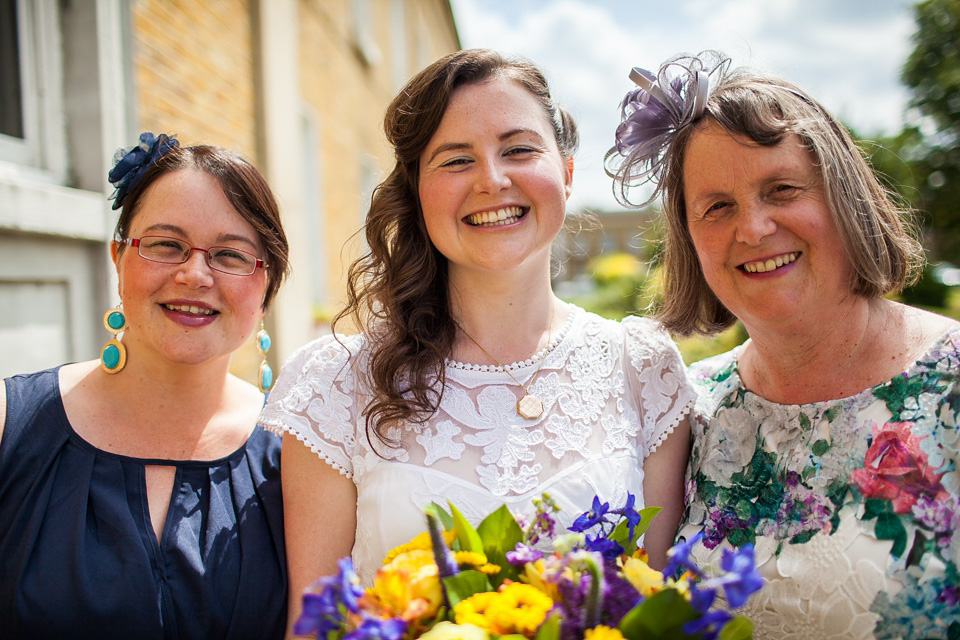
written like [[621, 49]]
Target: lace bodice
[[853, 504], [612, 392]]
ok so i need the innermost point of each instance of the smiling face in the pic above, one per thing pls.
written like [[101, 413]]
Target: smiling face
[[493, 184], [188, 313], [759, 221]]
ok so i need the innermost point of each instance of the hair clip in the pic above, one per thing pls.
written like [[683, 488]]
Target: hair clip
[[652, 114], [131, 163]]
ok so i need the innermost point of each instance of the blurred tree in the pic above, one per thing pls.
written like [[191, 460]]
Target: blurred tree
[[923, 161]]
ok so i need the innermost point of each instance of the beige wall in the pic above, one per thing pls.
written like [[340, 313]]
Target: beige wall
[[215, 72]]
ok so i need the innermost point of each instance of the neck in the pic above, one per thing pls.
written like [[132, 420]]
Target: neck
[[831, 358], [511, 320]]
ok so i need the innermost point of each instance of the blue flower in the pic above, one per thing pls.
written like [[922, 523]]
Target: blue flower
[[322, 608], [590, 519], [742, 578], [130, 164], [632, 515], [604, 546], [376, 629], [678, 558], [320, 614]]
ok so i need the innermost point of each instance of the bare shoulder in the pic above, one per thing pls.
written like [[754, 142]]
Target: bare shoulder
[[932, 325], [245, 401]]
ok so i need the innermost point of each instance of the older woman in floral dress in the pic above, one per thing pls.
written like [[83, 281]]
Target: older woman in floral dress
[[829, 439]]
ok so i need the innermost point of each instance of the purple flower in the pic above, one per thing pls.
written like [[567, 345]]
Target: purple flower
[[523, 554], [949, 596], [377, 629]]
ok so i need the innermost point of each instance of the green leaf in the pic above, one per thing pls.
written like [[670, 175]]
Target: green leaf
[[550, 629], [740, 628], [662, 615], [500, 533], [466, 534], [465, 584], [444, 516], [889, 527], [820, 447]]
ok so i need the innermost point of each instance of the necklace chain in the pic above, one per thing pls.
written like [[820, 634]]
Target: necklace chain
[[529, 406]]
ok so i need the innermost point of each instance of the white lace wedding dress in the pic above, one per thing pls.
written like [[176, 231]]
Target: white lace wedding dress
[[612, 392]]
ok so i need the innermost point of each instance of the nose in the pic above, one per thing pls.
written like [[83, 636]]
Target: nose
[[492, 177], [754, 223], [195, 272]]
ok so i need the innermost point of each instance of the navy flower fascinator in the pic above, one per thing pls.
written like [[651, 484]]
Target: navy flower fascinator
[[130, 164], [651, 116]]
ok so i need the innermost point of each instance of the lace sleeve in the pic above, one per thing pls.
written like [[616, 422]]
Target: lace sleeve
[[657, 377], [315, 399]]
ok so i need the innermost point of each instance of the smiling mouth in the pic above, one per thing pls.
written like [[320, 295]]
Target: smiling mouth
[[498, 218], [763, 266], [183, 308]]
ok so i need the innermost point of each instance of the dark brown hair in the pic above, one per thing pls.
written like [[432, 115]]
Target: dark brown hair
[[244, 187], [874, 227], [398, 291]]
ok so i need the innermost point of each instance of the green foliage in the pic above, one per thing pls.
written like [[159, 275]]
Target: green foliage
[[500, 533], [924, 165]]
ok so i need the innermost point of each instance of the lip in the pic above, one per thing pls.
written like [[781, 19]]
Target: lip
[[505, 215], [771, 265], [187, 317]]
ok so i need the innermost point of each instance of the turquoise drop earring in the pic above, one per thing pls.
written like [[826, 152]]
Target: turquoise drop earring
[[265, 376], [113, 355]]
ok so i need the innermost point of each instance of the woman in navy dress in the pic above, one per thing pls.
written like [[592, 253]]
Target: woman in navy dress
[[138, 498]]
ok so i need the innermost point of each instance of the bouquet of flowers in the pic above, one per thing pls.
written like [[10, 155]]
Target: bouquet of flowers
[[496, 581]]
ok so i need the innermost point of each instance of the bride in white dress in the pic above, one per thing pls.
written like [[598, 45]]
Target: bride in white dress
[[471, 382]]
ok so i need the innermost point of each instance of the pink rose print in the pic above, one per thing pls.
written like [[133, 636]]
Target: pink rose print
[[896, 469]]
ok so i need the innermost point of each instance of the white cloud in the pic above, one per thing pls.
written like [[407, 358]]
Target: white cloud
[[846, 54]]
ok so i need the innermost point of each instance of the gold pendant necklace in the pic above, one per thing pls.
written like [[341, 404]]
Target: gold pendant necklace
[[529, 406]]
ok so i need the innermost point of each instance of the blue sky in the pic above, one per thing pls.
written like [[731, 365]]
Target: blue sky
[[846, 53]]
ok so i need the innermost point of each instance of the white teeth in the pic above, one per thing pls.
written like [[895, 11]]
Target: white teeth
[[500, 217], [189, 309], [762, 266]]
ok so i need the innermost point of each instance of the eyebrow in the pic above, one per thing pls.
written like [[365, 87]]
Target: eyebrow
[[223, 237], [457, 146]]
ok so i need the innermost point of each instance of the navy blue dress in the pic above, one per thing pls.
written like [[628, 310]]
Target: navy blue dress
[[79, 557]]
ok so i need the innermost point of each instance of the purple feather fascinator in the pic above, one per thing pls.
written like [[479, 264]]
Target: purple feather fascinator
[[651, 116]]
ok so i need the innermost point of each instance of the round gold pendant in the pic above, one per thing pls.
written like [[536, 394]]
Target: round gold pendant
[[530, 407]]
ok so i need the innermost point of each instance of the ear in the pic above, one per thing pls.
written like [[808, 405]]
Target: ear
[[568, 177]]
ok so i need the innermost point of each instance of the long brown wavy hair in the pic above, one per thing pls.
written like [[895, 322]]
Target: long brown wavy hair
[[397, 291]]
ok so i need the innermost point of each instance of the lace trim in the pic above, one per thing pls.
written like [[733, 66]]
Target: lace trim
[[683, 413], [514, 366], [280, 429]]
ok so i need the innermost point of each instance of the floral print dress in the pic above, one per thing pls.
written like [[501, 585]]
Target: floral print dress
[[853, 505]]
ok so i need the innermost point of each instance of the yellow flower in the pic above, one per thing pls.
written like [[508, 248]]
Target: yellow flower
[[533, 574], [420, 542], [645, 580], [409, 583], [448, 631], [515, 608], [603, 633]]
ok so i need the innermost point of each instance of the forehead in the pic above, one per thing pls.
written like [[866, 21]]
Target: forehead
[[194, 201], [714, 155], [491, 105]]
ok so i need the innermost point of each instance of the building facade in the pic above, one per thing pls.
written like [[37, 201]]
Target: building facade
[[297, 86]]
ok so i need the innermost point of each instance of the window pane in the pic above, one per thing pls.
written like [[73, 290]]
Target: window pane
[[11, 103]]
